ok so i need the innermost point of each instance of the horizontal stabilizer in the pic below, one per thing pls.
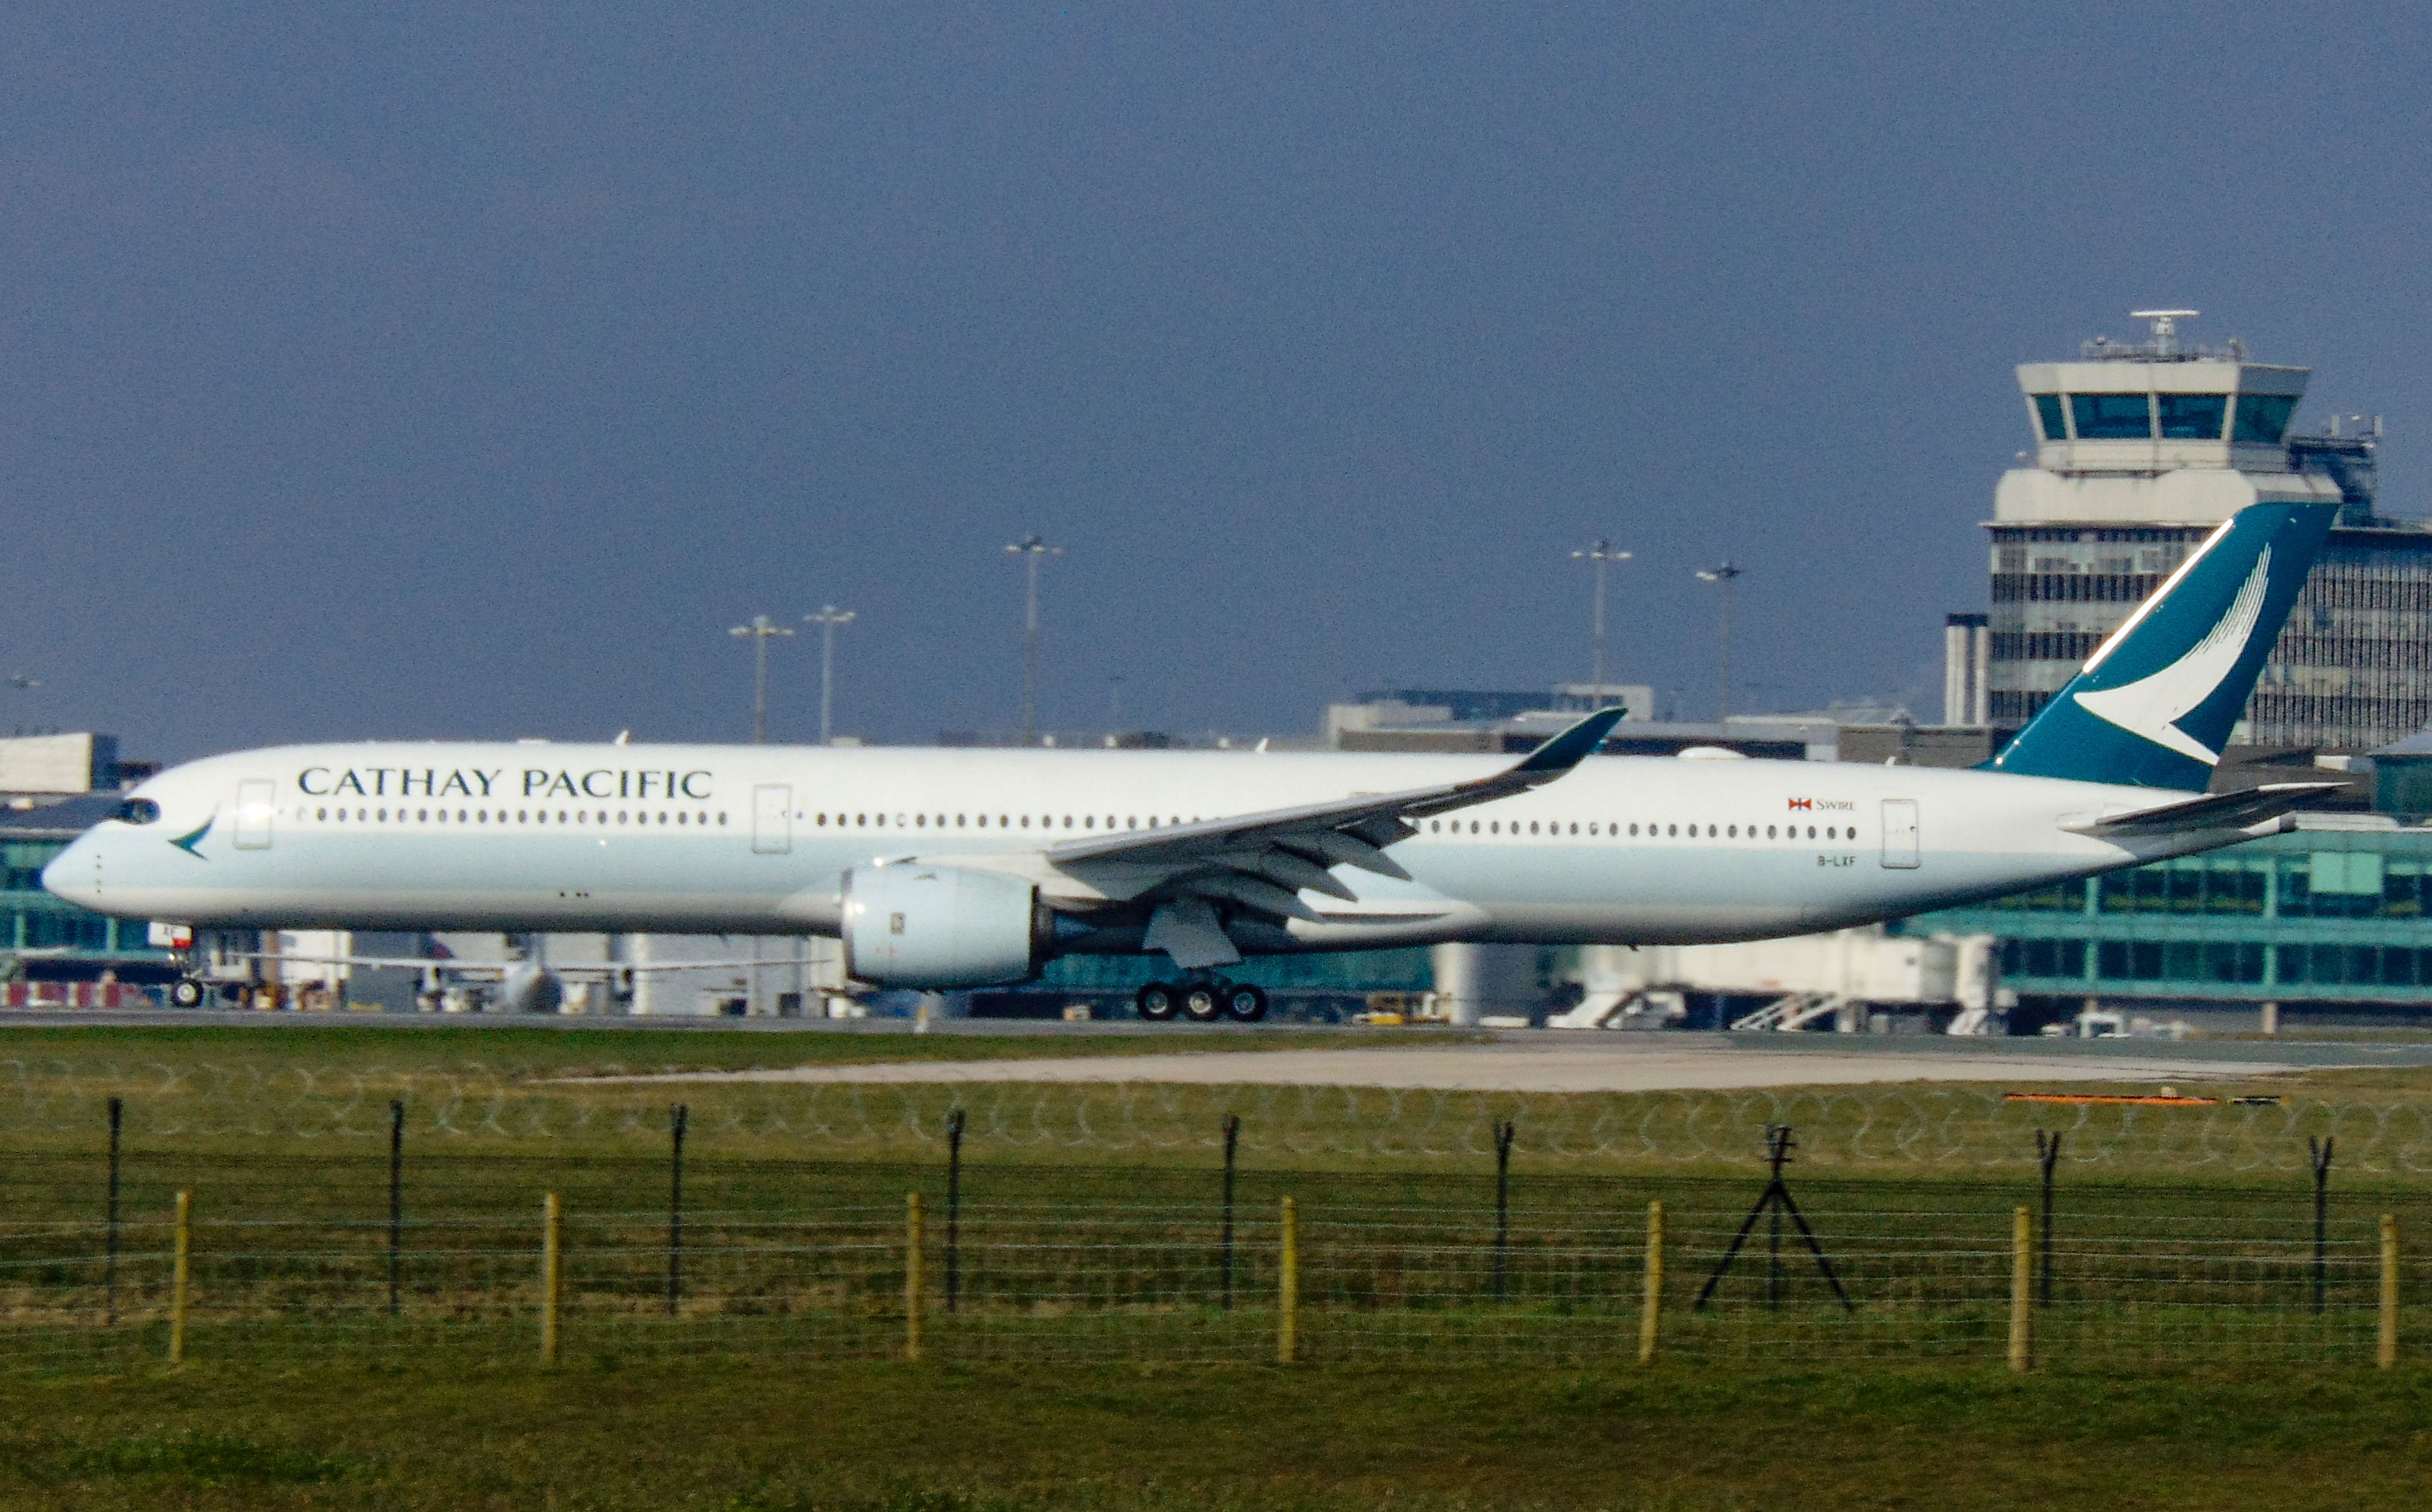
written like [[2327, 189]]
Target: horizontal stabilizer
[[2214, 811]]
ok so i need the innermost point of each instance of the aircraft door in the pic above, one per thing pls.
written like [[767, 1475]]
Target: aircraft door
[[254, 801], [1900, 832], [772, 819]]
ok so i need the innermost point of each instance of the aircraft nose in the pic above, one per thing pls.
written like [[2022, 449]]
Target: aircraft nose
[[75, 874]]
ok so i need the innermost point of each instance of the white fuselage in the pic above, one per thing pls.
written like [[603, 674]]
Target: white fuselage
[[757, 839]]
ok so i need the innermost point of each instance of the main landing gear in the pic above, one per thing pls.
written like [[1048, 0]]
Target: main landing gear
[[1202, 1002]]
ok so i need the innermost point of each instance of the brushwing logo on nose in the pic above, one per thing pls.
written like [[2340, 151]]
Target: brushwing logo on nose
[[2152, 706], [187, 843]]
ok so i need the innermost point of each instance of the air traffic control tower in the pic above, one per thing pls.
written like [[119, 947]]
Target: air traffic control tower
[[2141, 450]]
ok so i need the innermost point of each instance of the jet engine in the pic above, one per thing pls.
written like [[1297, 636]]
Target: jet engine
[[914, 926], [530, 987]]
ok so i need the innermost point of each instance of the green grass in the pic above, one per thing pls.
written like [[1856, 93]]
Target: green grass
[[713, 1434], [1091, 1366]]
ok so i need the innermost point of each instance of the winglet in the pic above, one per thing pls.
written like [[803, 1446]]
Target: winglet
[[1570, 747]]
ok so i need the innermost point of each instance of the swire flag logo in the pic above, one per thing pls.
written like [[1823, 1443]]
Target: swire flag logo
[[1802, 803]]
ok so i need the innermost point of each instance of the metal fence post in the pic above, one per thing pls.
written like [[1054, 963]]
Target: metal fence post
[[1288, 1289], [2319, 1151], [2022, 1291], [2387, 1355], [177, 1278], [1650, 1308], [551, 1279], [912, 1276], [396, 1202], [1503, 1133], [953, 1210], [109, 1265], [677, 1117], [1232, 1142], [2047, 1155]]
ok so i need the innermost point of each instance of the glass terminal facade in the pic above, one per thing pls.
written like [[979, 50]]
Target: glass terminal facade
[[2339, 916]]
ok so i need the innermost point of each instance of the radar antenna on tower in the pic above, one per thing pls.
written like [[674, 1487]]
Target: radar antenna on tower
[[2166, 328]]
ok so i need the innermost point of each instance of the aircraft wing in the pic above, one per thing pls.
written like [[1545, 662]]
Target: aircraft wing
[[1347, 831], [1261, 861], [2212, 810]]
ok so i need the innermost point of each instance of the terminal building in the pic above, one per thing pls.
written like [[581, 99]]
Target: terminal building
[[2141, 451]]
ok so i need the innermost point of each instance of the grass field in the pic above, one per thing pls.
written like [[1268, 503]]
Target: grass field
[[895, 1438], [1092, 1363]]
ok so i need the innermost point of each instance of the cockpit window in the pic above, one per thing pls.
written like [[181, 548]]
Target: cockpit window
[[136, 810]]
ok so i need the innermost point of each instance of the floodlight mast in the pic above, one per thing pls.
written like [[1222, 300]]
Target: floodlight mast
[[1604, 556], [1031, 548], [828, 619], [1723, 575], [759, 634]]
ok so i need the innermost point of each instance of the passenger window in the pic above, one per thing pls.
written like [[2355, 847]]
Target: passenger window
[[1736, 831], [1673, 829], [1533, 826], [1768, 832], [1089, 821], [422, 816], [1494, 827]]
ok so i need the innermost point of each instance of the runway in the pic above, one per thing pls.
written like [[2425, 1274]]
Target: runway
[[1713, 1065]]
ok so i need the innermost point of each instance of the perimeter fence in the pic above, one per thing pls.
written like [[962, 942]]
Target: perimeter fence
[[2236, 1132], [240, 1213]]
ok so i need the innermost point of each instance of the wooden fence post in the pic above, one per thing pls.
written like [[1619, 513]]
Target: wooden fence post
[[912, 1276], [178, 1276], [2387, 1353], [2022, 1291], [552, 1279], [1288, 1289], [1650, 1309]]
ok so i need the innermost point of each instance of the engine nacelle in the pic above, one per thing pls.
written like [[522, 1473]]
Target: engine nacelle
[[914, 926], [528, 987]]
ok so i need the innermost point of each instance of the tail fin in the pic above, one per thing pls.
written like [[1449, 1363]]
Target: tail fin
[[2153, 705]]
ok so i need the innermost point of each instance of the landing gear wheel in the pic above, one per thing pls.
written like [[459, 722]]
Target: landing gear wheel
[[186, 993], [1245, 1003], [1156, 1002], [1203, 1002]]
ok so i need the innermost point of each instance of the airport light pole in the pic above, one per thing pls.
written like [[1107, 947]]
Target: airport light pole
[[759, 632], [1031, 549], [827, 619], [1604, 556], [1722, 576]]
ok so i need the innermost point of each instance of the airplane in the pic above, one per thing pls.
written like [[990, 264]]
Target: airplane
[[956, 869]]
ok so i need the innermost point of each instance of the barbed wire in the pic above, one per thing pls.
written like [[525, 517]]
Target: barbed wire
[[1892, 1129]]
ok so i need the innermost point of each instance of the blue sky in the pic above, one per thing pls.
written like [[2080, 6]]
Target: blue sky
[[468, 371]]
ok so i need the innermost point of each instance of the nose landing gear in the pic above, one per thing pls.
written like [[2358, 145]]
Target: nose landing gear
[[1203, 1000]]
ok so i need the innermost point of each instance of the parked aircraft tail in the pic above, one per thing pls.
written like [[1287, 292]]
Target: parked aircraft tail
[[2153, 705]]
